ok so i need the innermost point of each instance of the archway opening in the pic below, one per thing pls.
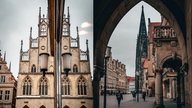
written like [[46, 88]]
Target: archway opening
[[108, 17]]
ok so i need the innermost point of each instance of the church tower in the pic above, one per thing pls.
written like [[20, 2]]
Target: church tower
[[37, 90], [141, 47]]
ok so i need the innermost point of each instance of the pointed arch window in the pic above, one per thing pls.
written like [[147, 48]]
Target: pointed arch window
[[83, 106], [65, 86], [25, 106], [65, 29], [33, 68], [43, 86], [43, 30], [27, 86], [75, 68], [42, 106], [82, 86]]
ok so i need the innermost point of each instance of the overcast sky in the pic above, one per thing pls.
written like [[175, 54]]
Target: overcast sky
[[123, 39], [17, 16]]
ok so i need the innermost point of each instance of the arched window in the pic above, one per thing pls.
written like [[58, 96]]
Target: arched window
[[27, 86], [75, 68], [33, 68], [83, 106], [65, 86], [66, 106], [43, 87], [42, 106], [43, 30], [25, 106], [82, 86]]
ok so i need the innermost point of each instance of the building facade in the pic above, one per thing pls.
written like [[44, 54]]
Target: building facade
[[130, 84], [36, 90], [116, 77], [7, 85], [165, 60]]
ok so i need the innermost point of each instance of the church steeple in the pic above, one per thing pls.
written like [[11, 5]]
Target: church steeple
[[141, 47], [142, 27]]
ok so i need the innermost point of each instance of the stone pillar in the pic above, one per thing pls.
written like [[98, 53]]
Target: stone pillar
[[158, 89], [182, 89], [171, 88], [97, 71], [174, 88]]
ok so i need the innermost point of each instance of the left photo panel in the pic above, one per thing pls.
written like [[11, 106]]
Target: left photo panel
[[46, 54]]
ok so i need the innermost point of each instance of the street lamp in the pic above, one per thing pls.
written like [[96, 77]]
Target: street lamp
[[43, 62], [137, 75], [107, 56], [66, 62]]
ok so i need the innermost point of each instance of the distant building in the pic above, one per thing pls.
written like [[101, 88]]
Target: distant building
[[36, 90], [141, 51], [7, 85], [130, 84], [116, 77]]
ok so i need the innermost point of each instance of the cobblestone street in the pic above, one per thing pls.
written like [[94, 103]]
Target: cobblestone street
[[129, 102]]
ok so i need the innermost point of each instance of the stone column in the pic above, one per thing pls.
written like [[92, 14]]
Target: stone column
[[182, 89], [158, 89]]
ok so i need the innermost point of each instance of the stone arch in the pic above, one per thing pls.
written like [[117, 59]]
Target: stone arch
[[107, 14], [107, 20], [167, 58], [172, 63]]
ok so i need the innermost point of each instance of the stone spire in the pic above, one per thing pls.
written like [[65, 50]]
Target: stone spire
[[77, 36], [87, 50], [30, 37], [68, 14], [39, 15]]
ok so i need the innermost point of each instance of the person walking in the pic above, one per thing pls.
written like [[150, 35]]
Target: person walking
[[144, 95], [119, 97]]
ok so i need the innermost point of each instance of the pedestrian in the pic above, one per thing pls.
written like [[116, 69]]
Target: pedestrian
[[119, 97], [144, 95]]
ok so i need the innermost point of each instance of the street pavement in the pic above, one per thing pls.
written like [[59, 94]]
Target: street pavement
[[130, 102]]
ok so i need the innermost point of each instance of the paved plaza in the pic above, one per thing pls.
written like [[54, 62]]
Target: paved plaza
[[130, 102]]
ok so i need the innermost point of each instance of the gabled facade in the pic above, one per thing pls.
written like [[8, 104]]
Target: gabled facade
[[116, 77], [7, 85], [36, 90]]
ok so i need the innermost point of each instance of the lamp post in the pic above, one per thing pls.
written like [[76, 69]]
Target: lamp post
[[137, 75], [107, 56]]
